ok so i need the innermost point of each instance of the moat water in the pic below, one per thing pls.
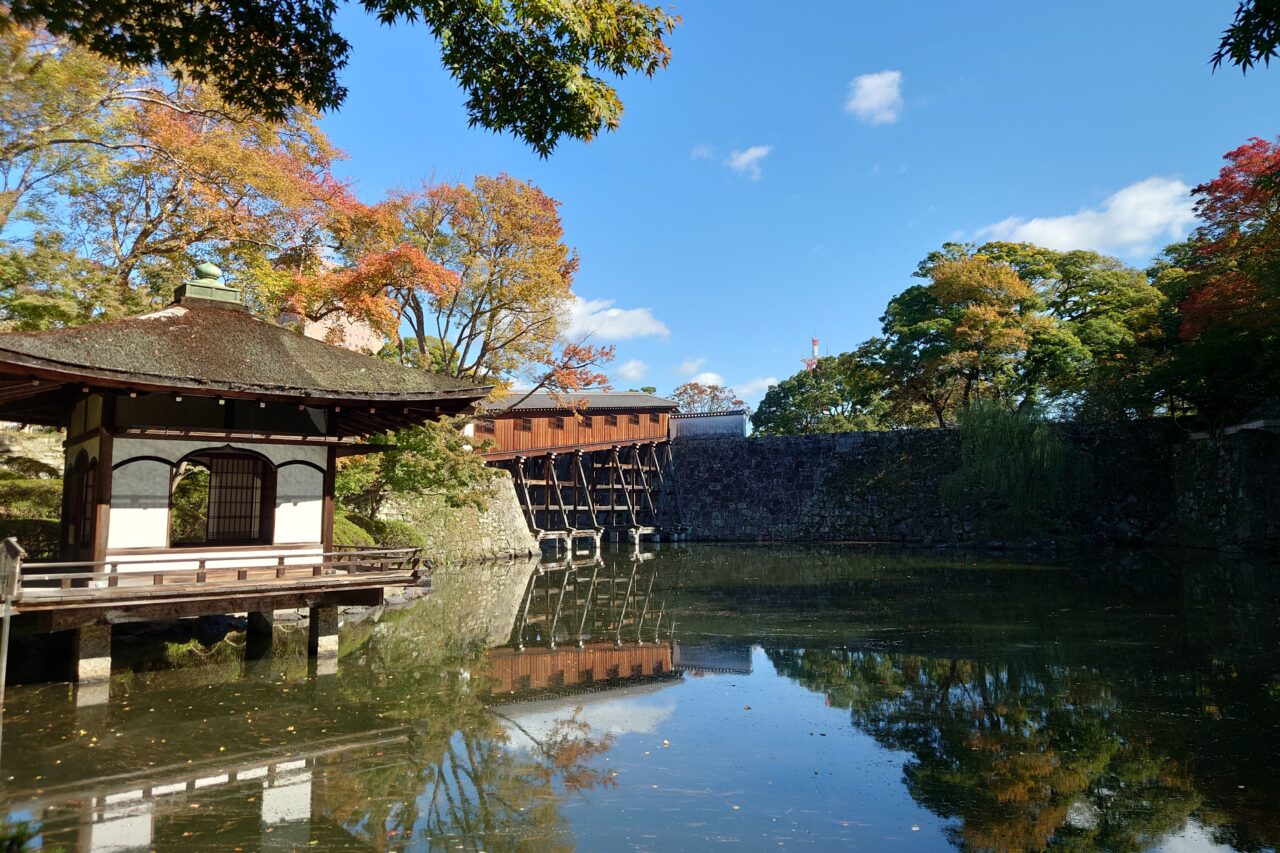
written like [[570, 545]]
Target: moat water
[[753, 697]]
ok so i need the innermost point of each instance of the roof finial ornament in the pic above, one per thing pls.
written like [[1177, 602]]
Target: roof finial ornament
[[207, 285], [208, 275]]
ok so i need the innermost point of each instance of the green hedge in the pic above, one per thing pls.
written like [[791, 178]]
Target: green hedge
[[30, 498], [37, 536], [347, 532], [384, 534]]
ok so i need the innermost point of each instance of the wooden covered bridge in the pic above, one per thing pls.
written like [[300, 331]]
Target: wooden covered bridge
[[599, 470]]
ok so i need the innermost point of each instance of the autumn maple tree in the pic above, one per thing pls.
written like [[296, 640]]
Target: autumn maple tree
[[694, 397]]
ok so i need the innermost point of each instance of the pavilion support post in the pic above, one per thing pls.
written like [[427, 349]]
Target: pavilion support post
[[91, 647], [258, 633], [322, 632]]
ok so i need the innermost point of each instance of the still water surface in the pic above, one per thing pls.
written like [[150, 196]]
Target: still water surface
[[757, 697]]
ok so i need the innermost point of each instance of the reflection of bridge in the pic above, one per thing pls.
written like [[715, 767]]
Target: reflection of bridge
[[585, 624]]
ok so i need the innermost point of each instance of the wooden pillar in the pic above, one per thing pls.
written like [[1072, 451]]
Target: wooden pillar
[[102, 496], [522, 491], [326, 519], [587, 489], [553, 474], [644, 485], [626, 491]]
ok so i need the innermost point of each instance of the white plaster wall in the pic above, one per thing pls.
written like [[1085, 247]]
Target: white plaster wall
[[730, 425], [140, 505], [299, 504]]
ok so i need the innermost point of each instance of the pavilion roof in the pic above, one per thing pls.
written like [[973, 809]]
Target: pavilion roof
[[201, 347]]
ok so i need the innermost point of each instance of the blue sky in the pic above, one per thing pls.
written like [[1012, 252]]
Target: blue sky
[[782, 178]]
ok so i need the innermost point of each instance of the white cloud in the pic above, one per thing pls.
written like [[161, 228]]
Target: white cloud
[[690, 366], [748, 162], [708, 377], [635, 369], [1132, 221], [876, 98], [752, 387], [702, 151], [598, 318]]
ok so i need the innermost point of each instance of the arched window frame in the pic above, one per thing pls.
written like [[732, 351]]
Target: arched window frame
[[245, 515]]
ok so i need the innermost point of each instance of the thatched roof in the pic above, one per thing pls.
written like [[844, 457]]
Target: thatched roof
[[210, 349]]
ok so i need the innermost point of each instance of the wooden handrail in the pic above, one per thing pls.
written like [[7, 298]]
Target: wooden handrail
[[71, 578], [146, 559]]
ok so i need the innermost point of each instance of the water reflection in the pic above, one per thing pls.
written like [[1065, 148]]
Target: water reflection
[[700, 694]]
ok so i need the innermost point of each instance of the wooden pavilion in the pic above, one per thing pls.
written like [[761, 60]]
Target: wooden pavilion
[[201, 446]]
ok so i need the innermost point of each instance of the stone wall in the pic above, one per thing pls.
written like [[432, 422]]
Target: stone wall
[[1150, 484], [466, 534]]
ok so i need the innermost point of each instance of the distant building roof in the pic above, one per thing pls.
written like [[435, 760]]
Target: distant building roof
[[204, 347], [719, 414], [601, 400]]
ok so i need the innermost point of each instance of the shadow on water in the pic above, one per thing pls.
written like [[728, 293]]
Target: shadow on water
[[1120, 703]]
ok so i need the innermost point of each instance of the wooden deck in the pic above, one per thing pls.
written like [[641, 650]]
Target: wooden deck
[[57, 596]]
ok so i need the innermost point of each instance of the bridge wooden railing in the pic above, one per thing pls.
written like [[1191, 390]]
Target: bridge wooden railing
[[170, 574]]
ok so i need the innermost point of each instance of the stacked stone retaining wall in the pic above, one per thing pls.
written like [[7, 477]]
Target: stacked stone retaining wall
[[1150, 483]]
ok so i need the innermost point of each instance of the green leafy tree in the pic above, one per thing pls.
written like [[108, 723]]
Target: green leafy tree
[[532, 68], [434, 457], [842, 393], [1253, 36]]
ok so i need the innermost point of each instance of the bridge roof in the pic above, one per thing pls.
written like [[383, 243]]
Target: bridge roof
[[542, 401]]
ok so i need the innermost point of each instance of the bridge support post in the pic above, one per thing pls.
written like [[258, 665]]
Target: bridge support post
[[91, 647]]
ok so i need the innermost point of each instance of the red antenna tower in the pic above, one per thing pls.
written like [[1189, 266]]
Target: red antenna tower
[[811, 363]]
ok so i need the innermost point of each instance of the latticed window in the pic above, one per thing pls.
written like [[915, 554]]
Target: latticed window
[[610, 420], [484, 426], [236, 486], [586, 421], [634, 420], [654, 418], [525, 424], [224, 499], [557, 422]]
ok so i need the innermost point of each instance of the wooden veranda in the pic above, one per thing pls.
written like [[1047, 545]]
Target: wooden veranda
[[55, 596]]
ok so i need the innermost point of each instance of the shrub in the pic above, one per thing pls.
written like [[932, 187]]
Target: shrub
[[30, 498], [346, 532], [1017, 468], [37, 536]]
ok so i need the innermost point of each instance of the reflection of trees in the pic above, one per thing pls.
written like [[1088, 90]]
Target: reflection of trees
[[459, 782], [1026, 758]]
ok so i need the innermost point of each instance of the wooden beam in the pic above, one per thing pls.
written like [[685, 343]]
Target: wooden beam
[[586, 490], [626, 491], [644, 485], [554, 476]]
